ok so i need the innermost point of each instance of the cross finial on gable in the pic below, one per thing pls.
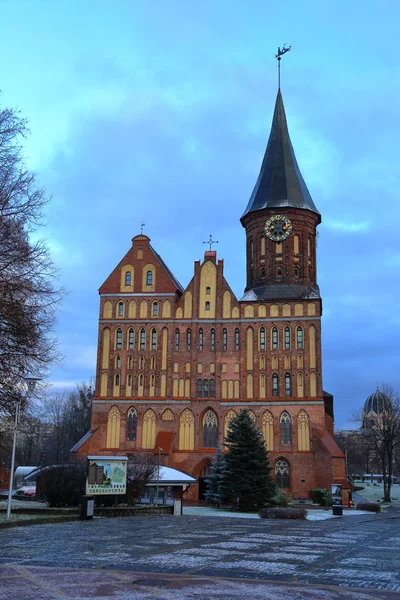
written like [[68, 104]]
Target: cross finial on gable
[[211, 241]]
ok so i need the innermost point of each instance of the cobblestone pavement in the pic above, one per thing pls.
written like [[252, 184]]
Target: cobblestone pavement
[[356, 557]]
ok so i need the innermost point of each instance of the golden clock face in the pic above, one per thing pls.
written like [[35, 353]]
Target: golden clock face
[[278, 228]]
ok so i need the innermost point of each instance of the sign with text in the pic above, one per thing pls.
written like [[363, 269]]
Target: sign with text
[[106, 475]]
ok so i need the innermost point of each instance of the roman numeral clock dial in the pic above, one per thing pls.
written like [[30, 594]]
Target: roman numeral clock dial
[[278, 228]]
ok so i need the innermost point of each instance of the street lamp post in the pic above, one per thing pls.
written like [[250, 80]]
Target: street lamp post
[[31, 384], [158, 474]]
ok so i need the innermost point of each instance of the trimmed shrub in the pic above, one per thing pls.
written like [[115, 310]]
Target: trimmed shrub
[[369, 506], [283, 513], [321, 496]]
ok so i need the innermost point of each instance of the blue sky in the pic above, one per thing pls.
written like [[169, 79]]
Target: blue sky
[[160, 111]]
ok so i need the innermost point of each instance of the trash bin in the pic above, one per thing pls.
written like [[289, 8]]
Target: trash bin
[[87, 507]]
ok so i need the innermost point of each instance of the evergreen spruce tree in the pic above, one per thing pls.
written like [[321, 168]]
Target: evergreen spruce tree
[[213, 494], [247, 480]]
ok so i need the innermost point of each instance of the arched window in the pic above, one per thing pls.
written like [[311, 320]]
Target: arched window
[[186, 430], [141, 362], [131, 425], [118, 362], [188, 339], [268, 430], [224, 339], [275, 386], [117, 379], [205, 388], [237, 339], [274, 338], [128, 278], [210, 429], [282, 474], [153, 339], [212, 388], [300, 339], [207, 305], [149, 278], [131, 339], [200, 339], [231, 414], [176, 339], [119, 338], [303, 431], [120, 309], [155, 309], [286, 429], [287, 338], [208, 291], [113, 428], [129, 362], [142, 339], [149, 429], [262, 338], [199, 388], [288, 385], [212, 339]]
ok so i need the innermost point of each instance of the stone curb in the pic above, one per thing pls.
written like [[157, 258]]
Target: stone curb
[[6, 524]]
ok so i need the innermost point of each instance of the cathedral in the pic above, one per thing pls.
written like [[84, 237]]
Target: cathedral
[[175, 364]]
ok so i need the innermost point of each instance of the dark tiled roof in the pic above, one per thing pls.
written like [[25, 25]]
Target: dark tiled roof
[[280, 183], [172, 276], [282, 292]]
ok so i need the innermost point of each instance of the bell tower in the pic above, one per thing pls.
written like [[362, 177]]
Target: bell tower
[[280, 221]]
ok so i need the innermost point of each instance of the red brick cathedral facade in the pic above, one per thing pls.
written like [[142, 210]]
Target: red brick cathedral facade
[[174, 365]]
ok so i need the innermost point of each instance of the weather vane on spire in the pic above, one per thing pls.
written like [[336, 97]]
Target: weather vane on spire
[[278, 56]]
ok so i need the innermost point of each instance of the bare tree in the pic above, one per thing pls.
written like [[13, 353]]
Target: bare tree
[[382, 436], [140, 469], [28, 293]]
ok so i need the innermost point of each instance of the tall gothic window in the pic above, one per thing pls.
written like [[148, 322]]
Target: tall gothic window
[[200, 339], [210, 429], [282, 474], [131, 339], [287, 337], [262, 338], [142, 339], [119, 338], [188, 339], [205, 388], [274, 338], [199, 388], [286, 429], [212, 388], [275, 387], [131, 425], [149, 278], [237, 339], [155, 309], [128, 278], [288, 385], [120, 309], [224, 339], [153, 339], [300, 337], [212, 339], [176, 339]]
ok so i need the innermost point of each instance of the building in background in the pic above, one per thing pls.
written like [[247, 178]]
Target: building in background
[[175, 364]]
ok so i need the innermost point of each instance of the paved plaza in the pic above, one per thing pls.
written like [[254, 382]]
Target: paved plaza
[[204, 558]]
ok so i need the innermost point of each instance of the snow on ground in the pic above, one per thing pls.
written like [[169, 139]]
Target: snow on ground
[[373, 492], [312, 514]]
